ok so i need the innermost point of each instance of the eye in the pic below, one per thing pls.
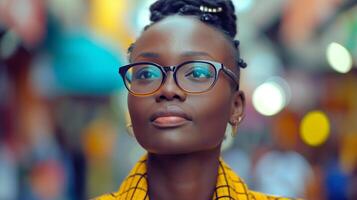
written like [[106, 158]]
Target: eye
[[147, 73], [199, 72]]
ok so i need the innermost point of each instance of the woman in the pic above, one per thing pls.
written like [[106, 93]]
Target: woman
[[183, 82]]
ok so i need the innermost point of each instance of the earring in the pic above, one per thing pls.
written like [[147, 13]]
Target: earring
[[234, 130], [235, 125], [129, 129], [240, 119]]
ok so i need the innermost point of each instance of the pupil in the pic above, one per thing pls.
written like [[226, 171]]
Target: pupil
[[147, 74]]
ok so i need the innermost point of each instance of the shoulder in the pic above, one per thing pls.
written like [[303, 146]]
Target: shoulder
[[253, 195]]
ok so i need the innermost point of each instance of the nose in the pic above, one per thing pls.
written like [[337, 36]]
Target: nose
[[169, 91]]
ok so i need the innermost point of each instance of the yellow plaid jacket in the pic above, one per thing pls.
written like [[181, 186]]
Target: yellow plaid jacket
[[228, 187]]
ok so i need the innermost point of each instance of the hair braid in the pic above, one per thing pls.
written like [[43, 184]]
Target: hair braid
[[224, 21]]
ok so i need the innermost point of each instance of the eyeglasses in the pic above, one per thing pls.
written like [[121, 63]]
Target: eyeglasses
[[197, 76]]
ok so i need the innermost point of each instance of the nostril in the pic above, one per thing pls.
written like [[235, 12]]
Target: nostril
[[170, 94]]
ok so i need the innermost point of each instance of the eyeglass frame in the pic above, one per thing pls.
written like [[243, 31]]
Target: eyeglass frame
[[174, 68]]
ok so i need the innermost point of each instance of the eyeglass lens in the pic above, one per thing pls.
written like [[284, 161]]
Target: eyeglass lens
[[191, 77]]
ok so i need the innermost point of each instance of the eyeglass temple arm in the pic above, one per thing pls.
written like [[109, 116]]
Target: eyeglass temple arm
[[231, 74]]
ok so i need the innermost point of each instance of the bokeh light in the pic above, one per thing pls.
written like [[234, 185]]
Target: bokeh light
[[269, 98], [339, 58], [315, 128]]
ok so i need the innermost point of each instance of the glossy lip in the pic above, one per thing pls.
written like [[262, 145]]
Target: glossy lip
[[170, 111]]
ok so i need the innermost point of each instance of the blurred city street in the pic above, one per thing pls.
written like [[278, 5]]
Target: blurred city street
[[63, 105]]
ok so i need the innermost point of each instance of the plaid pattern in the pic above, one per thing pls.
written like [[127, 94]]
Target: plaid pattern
[[229, 186]]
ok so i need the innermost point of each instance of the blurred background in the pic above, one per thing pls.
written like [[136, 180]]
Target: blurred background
[[63, 108]]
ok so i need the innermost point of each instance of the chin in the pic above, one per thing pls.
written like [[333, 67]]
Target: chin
[[173, 148], [183, 140], [170, 151]]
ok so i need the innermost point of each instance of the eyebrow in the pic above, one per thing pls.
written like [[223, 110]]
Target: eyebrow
[[149, 55], [185, 54]]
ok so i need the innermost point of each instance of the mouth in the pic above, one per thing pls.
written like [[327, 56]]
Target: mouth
[[170, 117]]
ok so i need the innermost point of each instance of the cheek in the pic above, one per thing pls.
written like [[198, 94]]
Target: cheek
[[212, 116], [140, 111], [137, 108], [212, 113]]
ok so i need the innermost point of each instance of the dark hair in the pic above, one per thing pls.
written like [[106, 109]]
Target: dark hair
[[223, 18]]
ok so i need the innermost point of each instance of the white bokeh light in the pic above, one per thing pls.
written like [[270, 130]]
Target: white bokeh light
[[339, 58], [269, 98]]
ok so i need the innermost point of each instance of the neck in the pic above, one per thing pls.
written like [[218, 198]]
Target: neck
[[183, 176]]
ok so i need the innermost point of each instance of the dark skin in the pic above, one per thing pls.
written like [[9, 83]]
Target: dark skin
[[183, 158]]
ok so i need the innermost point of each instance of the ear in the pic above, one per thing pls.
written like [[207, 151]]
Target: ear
[[237, 108]]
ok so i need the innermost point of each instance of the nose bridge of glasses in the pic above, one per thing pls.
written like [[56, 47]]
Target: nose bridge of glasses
[[169, 80], [169, 68]]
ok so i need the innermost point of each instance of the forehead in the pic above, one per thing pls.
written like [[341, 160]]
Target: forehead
[[175, 35]]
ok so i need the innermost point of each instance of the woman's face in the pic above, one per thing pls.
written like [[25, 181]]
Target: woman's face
[[172, 121]]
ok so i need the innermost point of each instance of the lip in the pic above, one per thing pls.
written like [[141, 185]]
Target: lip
[[170, 117]]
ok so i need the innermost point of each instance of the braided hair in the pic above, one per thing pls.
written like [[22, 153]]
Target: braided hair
[[217, 13]]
